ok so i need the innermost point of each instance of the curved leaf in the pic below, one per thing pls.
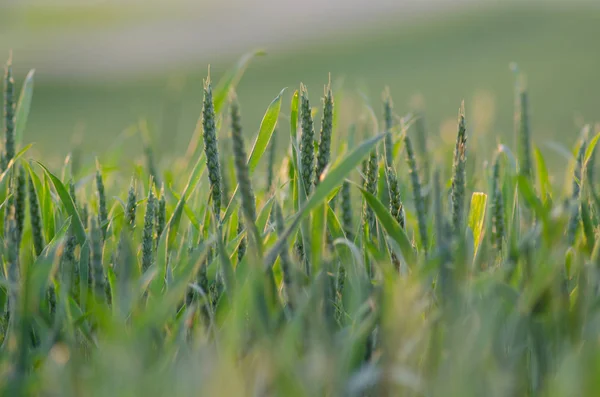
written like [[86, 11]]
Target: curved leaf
[[476, 217], [67, 201], [23, 107], [265, 132], [390, 225]]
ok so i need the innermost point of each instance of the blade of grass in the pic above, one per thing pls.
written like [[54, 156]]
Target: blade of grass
[[476, 218], [67, 201], [542, 174], [265, 132], [390, 225], [23, 107]]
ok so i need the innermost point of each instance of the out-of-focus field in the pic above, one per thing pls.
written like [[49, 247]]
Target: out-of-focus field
[[441, 59]]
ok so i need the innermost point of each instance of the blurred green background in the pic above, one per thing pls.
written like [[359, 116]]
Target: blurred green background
[[101, 67]]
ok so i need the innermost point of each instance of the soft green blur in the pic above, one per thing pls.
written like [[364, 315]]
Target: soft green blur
[[435, 60]]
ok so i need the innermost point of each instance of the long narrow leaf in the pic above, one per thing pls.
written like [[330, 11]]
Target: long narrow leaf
[[477, 217], [23, 107], [390, 225], [67, 201], [265, 132]]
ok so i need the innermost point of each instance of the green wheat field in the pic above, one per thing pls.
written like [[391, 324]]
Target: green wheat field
[[342, 248]]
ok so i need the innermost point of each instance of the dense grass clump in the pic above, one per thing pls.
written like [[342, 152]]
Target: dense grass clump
[[481, 278]]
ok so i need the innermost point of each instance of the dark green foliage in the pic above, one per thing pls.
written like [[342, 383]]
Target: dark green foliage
[[307, 149], [35, 218], [241, 166], [69, 265], [9, 113], [326, 130], [347, 218], [388, 119], [459, 178], [148, 232], [371, 187], [396, 208], [497, 207], [20, 194], [130, 207], [11, 252], [102, 212], [161, 216], [69, 269], [211, 149], [523, 132]]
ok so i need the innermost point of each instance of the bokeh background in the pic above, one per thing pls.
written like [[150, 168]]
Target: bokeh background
[[103, 65]]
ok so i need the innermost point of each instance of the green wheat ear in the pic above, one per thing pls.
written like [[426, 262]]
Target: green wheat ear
[[497, 207], [371, 187], [241, 165], [211, 149], [11, 253], [307, 149], [35, 217], [388, 118], [131, 206], [9, 112], [522, 127], [459, 180], [69, 268], [417, 195], [148, 232], [20, 201], [102, 212], [324, 152], [396, 208], [575, 217], [161, 216], [364, 167], [347, 218]]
